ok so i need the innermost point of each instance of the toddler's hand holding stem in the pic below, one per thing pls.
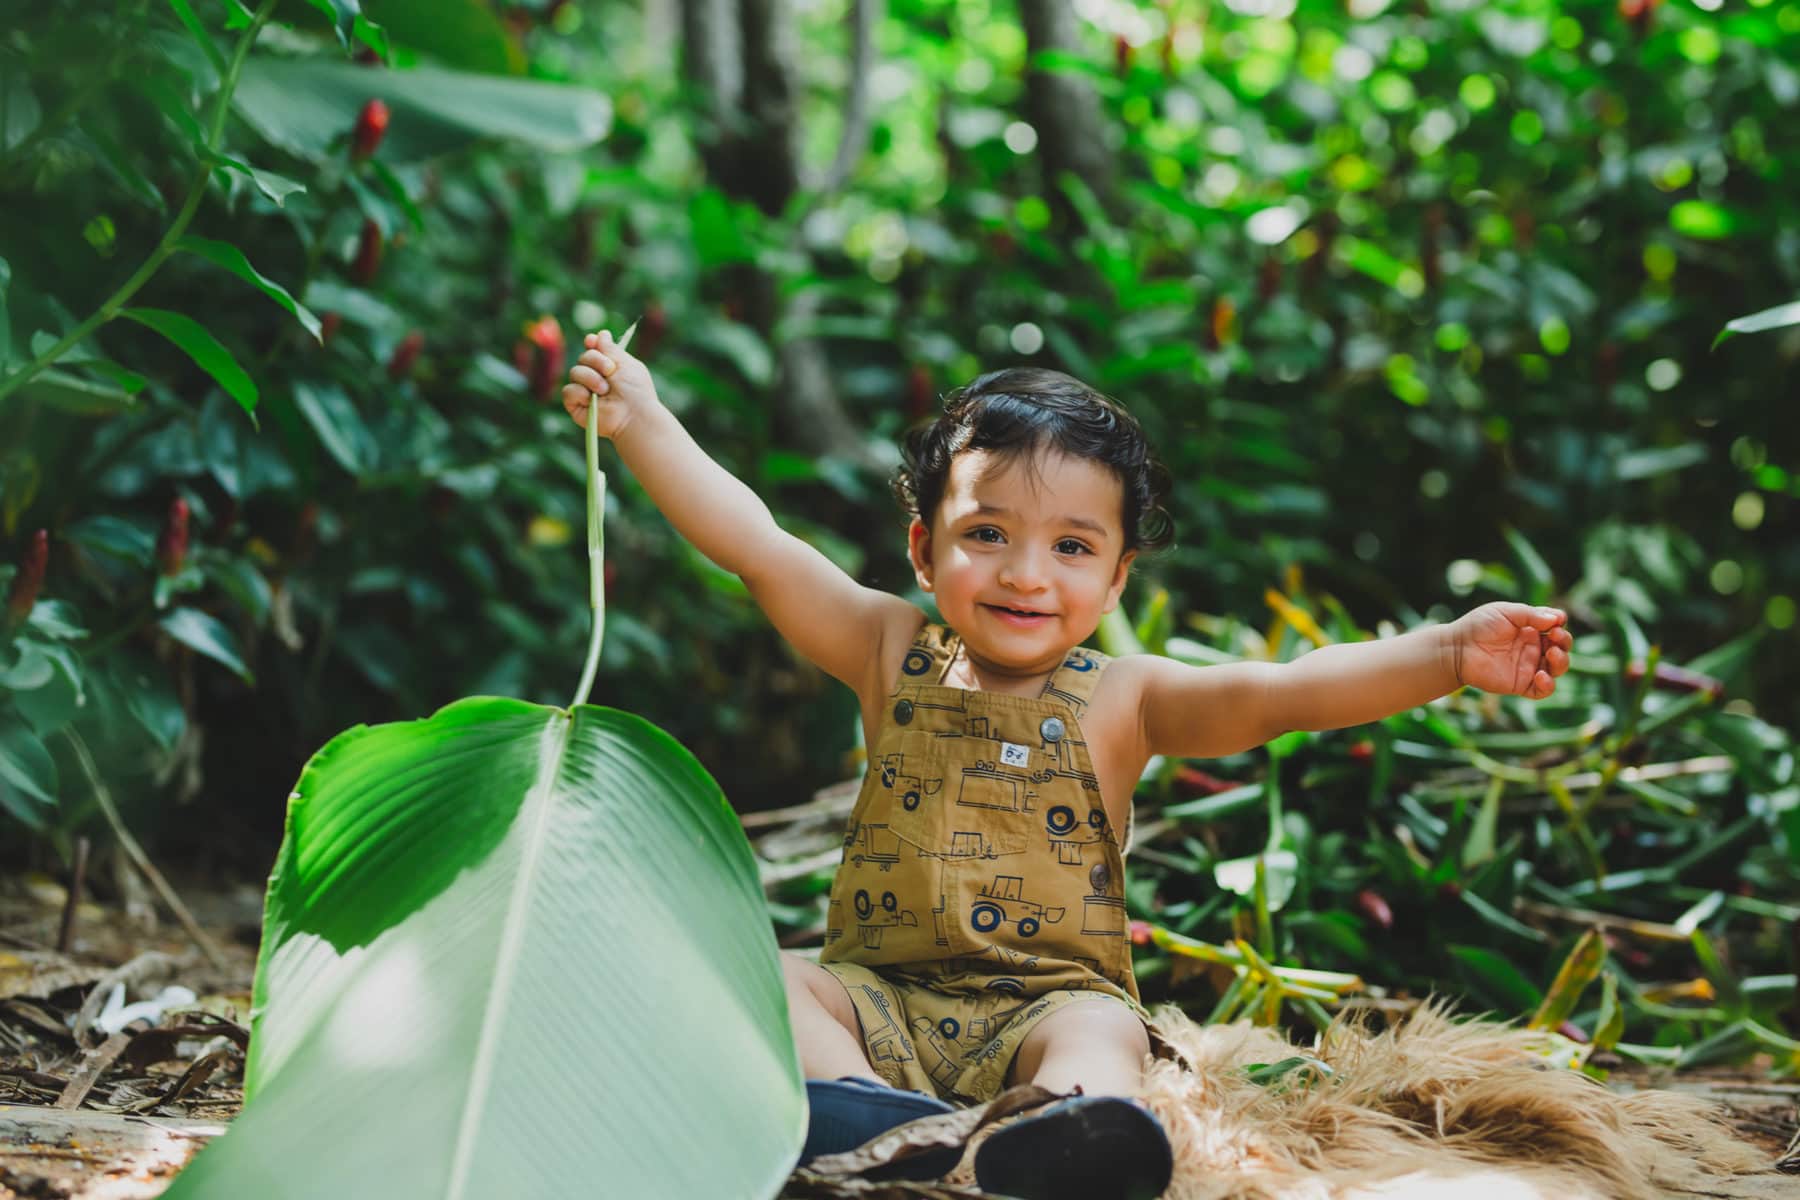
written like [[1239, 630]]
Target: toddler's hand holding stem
[[609, 381]]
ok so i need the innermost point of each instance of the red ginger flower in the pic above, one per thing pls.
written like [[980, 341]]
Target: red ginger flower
[[172, 542], [1375, 907], [30, 579], [371, 125], [549, 353], [368, 253], [400, 365]]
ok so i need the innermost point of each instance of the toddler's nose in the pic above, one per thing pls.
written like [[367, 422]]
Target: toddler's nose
[[1023, 571]]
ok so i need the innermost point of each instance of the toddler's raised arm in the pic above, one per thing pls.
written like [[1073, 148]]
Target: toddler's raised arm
[[1209, 712], [828, 617]]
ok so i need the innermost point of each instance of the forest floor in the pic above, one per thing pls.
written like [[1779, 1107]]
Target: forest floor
[[97, 1106]]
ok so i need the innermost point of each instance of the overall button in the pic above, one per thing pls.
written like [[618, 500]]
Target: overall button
[[1052, 729], [903, 713], [1099, 877]]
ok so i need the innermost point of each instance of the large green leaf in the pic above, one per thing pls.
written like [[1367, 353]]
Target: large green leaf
[[308, 106], [232, 259], [203, 348], [510, 951]]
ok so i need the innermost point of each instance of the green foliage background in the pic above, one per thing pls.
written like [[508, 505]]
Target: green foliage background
[[1416, 300]]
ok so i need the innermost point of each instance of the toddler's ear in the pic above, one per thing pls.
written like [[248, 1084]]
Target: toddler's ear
[[918, 548], [1120, 574]]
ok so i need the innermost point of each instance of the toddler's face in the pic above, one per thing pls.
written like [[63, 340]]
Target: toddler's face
[[1024, 554]]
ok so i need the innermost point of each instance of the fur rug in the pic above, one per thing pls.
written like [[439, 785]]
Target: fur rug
[[1430, 1106]]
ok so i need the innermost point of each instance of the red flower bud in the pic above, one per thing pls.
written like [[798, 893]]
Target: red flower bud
[[549, 356], [30, 580], [1524, 225], [919, 398], [1428, 247], [371, 124], [400, 364], [368, 253], [328, 327], [1191, 781], [1140, 933], [1373, 905], [1362, 751], [1606, 368], [1671, 678], [650, 330], [1573, 1032], [1639, 13], [1123, 53], [1268, 278], [608, 574], [172, 542]]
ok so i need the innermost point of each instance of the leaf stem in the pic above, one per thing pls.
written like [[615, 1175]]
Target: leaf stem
[[596, 508], [113, 303]]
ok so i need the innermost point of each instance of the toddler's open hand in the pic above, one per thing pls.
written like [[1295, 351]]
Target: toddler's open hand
[[1512, 649], [609, 381]]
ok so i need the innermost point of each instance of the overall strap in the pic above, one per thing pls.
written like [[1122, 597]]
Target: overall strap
[[928, 658], [1074, 681]]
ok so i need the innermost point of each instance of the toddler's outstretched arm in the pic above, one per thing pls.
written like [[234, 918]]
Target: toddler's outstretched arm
[[827, 616], [1208, 712]]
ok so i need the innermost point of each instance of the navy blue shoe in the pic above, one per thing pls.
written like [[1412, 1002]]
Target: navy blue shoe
[[848, 1112], [1088, 1148]]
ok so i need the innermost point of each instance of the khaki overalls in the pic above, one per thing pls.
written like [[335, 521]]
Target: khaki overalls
[[981, 887]]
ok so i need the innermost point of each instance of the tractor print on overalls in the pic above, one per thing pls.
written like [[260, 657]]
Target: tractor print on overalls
[[1001, 903], [890, 916]]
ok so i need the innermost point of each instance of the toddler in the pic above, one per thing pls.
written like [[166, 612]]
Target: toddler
[[976, 932]]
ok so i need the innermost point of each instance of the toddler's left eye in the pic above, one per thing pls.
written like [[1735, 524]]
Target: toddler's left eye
[[1070, 546]]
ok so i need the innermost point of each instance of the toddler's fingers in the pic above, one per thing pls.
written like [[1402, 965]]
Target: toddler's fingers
[[598, 361], [575, 400], [589, 378]]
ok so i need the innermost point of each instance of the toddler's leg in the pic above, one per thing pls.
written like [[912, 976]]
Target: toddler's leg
[[824, 1021], [1102, 1145], [847, 1102], [1099, 1045]]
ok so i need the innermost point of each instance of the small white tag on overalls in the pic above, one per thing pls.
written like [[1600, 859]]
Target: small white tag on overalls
[[1014, 756]]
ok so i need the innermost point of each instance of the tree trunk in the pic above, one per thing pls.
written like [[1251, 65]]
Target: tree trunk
[[752, 152], [1073, 133]]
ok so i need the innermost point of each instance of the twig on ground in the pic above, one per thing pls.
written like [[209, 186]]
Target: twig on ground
[[138, 858]]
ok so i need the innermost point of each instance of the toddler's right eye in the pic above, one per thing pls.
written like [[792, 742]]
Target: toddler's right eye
[[985, 533]]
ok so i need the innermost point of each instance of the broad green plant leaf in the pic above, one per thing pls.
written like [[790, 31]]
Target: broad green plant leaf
[[73, 394], [26, 765], [308, 107], [512, 950], [196, 630], [1779, 317], [201, 346], [226, 255]]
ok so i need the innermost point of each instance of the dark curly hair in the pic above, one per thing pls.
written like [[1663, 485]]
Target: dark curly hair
[[1025, 411]]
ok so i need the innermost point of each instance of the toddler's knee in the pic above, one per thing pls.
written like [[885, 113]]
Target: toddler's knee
[[810, 985], [1109, 1024]]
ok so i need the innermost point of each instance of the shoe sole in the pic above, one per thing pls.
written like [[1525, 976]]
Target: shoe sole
[[845, 1120], [1100, 1151]]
